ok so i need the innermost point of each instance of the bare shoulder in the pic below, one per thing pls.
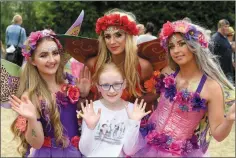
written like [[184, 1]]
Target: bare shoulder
[[146, 68], [167, 70], [90, 62], [212, 89]]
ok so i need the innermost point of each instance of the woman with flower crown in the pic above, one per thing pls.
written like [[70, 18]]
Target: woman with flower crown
[[46, 101], [191, 99], [117, 43]]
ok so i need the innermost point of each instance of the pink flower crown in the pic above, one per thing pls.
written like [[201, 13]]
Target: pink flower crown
[[190, 33], [116, 20], [30, 46]]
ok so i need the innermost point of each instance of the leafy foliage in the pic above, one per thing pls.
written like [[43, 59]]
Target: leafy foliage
[[60, 15]]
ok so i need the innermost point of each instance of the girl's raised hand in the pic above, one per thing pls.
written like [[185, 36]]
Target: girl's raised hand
[[138, 112], [89, 115], [23, 107]]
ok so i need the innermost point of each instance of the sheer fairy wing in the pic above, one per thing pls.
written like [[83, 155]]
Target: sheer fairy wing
[[74, 31], [80, 48], [229, 95], [154, 53], [75, 28], [9, 81]]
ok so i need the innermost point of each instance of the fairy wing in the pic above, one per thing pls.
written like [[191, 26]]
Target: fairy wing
[[9, 81], [80, 48], [154, 53], [229, 97], [72, 31], [75, 28]]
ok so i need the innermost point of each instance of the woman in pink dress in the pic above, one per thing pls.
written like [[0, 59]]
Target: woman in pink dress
[[191, 99]]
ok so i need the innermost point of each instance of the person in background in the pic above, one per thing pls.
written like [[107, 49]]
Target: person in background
[[16, 36], [141, 29], [221, 47], [231, 38], [148, 36]]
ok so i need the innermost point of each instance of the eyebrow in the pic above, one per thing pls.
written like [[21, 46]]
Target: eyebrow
[[113, 82], [114, 32], [177, 41]]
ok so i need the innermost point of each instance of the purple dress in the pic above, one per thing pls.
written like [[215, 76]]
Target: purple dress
[[174, 126], [71, 130]]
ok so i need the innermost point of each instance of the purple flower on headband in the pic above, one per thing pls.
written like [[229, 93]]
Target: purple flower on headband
[[189, 30], [192, 34]]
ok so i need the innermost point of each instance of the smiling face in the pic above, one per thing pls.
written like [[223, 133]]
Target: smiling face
[[46, 57], [115, 40], [111, 84], [179, 50]]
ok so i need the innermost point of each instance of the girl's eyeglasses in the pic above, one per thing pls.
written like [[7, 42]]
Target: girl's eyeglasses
[[107, 87]]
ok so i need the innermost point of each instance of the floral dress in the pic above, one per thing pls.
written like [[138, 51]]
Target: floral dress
[[179, 126], [66, 101]]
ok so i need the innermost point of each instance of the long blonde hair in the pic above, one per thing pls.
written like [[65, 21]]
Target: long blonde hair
[[131, 62], [32, 83]]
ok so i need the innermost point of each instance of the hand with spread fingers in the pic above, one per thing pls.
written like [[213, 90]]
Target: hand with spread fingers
[[23, 107], [138, 112], [84, 81], [89, 115], [231, 113]]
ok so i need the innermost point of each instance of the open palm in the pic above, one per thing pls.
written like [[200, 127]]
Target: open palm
[[84, 81], [138, 112], [90, 117], [23, 107]]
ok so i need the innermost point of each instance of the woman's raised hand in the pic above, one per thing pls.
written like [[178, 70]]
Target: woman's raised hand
[[23, 107], [138, 112], [84, 81], [89, 115]]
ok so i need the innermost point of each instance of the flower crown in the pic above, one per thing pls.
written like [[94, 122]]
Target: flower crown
[[116, 20], [30, 46], [190, 33]]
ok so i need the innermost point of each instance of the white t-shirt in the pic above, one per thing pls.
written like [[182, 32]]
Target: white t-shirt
[[114, 134]]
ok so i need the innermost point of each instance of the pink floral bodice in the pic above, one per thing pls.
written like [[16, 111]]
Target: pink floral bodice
[[172, 126], [172, 121]]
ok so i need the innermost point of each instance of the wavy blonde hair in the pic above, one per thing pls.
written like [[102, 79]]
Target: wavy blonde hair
[[131, 62], [32, 83]]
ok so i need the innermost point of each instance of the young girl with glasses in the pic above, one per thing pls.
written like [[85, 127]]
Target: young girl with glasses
[[110, 125]]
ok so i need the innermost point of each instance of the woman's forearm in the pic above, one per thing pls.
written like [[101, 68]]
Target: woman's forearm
[[34, 134], [223, 130]]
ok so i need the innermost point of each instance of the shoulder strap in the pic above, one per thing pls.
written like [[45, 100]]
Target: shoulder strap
[[201, 84], [19, 37], [176, 72]]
